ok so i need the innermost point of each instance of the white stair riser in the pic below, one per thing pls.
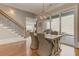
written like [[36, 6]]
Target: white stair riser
[[12, 30]]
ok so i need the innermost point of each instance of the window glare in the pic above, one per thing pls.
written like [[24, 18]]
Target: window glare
[[30, 23], [55, 24], [68, 24]]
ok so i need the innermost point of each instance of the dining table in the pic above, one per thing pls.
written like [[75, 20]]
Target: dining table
[[55, 40]]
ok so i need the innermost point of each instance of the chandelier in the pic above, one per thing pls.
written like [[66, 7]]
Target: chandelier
[[43, 13]]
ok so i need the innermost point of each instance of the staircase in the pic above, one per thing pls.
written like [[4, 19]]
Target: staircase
[[10, 24]]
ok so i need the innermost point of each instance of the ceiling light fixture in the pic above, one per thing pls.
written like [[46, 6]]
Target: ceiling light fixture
[[11, 11], [42, 16]]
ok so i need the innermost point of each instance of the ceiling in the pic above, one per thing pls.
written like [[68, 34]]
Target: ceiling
[[35, 8]]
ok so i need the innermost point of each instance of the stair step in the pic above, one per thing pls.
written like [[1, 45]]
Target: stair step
[[11, 30]]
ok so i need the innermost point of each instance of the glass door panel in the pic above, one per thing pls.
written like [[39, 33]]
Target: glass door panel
[[30, 24], [55, 23], [67, 28]]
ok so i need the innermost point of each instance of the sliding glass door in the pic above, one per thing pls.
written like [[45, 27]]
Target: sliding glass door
[[63, 23], [52, 23], [30, 24], [47, 24], [55, 23], [67, 28]]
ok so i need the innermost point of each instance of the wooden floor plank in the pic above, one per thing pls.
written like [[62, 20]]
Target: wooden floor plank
[[77, 51], [13, 49]]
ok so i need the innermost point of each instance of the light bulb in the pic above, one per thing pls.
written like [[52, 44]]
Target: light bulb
[[45, 17], [41, 17], [11, 11]]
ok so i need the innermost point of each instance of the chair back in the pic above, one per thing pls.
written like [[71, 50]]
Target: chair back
[[54, 33], [45, 48], [34, 44]]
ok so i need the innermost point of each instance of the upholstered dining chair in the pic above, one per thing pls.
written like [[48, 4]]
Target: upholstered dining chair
[[34, 44], [47, 31], [54, 33], [45, 47]]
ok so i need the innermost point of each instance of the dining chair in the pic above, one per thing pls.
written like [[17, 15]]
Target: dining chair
[[34, 44], [47, 31], [54, 32], [45, 47]]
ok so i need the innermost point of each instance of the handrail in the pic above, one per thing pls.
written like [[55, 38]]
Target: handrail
[[11, 19]]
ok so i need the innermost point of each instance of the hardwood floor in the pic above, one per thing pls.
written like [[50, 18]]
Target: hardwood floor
[[13, 49], [77, 51], [19, 49], [66, 51], [34, 52]]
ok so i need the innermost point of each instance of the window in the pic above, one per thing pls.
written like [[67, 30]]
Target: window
[[47, 24], [67, 23], [30, 24], [64, 25], [67, 28], [55, 23]]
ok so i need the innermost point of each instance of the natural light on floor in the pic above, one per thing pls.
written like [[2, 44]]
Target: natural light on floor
[[67, 51]]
